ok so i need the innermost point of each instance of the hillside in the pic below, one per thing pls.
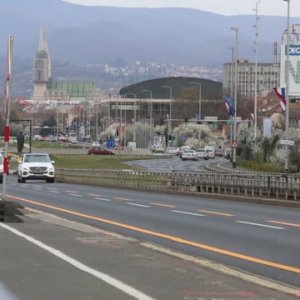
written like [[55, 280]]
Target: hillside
[[80, 34]]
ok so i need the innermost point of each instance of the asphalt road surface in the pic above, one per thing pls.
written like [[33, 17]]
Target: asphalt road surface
[[260, 239]]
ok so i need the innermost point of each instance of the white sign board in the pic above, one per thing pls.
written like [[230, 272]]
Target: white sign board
[[210, 119], [125, 107], [287, 142], [293, 68]]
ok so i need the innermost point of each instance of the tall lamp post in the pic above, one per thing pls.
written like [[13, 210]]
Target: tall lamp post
[[134, 115], [287, 81], [150, 121], [236, 30], [200, 98], [200, 106], [170, 112]]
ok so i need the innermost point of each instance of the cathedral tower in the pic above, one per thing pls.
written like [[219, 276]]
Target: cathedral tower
[[41, 69]]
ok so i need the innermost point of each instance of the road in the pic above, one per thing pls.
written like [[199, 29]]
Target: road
[[264, 240], [174, 163]]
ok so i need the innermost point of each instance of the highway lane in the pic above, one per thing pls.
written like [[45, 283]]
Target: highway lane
[[257, 238], [173, 163]]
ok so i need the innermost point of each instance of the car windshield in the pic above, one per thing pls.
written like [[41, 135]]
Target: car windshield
[[37, 158]]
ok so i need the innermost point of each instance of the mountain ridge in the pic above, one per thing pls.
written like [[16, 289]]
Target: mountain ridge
[[84, 34]]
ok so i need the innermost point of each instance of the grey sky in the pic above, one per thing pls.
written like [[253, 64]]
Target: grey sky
[[224, 7]]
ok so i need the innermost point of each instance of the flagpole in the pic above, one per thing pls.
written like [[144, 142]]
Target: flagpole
[[7, 112], [236, 29], [287, 66], [255, 91]]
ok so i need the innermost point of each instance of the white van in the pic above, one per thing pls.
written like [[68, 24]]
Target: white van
[[210, 151]]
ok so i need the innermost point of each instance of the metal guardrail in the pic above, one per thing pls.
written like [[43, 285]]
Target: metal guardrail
[[276, 186], [120, 178]]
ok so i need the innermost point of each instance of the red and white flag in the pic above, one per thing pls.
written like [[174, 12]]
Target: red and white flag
[[280, 92]]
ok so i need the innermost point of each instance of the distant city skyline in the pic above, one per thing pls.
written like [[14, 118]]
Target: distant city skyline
[[228, 7]]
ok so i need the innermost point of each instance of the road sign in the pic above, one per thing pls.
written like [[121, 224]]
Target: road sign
[[287, 142], [210, 118], [234, 145]]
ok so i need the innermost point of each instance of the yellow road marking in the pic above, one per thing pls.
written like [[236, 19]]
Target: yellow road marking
[[168, 237], [123, 199], [284, 223], [163, 205], [216, 213]]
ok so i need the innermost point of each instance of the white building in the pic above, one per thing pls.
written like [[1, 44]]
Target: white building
[[267, 78]]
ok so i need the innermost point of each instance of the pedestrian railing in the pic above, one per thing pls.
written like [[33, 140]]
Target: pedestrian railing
[[277, 186]]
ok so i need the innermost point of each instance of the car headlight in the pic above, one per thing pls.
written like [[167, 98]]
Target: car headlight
[[51, 169]]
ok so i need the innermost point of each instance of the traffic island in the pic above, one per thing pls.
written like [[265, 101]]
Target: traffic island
[[11, 211]]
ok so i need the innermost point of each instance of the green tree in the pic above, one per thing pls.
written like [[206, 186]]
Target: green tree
[[268, 147], [48, 126]]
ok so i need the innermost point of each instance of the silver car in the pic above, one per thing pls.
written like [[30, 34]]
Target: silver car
[[189, 155]]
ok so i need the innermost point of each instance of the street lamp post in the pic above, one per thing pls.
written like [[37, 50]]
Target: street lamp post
[[170, 112], [200, 99], [199, 107], [286, 163], [134, 116], [236, 29], [150, 121]]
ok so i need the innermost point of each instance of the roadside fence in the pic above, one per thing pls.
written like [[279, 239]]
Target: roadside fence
[[276, 186]]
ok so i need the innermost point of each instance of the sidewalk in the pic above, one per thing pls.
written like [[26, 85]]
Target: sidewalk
[[29, 272]]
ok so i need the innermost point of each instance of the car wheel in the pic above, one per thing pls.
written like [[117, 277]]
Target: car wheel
[[23, 180], [51, 180]]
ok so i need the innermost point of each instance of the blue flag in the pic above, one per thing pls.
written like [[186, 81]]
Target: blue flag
[[229, 103]]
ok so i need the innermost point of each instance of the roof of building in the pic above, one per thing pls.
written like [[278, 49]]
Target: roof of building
[[73, 88], [162, 88]]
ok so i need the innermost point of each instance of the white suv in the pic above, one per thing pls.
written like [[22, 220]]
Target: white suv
[[36, 166]]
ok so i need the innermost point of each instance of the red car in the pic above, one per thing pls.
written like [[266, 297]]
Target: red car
[[95, 150]]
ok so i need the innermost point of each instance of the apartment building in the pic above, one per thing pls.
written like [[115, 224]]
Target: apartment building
[[268, 77]]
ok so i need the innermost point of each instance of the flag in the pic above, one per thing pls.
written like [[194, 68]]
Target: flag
[[280, 92], [229, 103]]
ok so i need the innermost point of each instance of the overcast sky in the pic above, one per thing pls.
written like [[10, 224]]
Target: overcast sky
[[225, 7]]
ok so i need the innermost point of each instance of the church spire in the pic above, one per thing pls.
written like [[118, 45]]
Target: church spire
[[43, 44]]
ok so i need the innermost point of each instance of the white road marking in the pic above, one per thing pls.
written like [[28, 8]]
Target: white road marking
[[54, 191], [75, 195], [121, 198], [102, 199], [261, 225], [141, 205], [187, 213], [94, 195], [127, 289]]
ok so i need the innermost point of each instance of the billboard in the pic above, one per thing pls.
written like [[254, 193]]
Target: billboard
[[293, 68]]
